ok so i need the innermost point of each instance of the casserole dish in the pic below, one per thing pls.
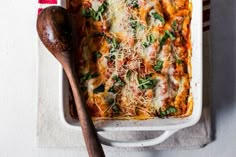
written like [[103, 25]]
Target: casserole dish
[[168, 126]]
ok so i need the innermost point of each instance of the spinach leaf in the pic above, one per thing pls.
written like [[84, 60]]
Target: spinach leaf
[[83, 88], [135, 25], [147, 83], [150, 40], [114, 44], [99, 89], [158, 66], [167, 35], [96, 55], [174, 25], [110, 57], [100, 11], [98, 34], [170, 110], [112, 89], [133, 3], [128, 74], [163, 39], [87, 76], [86, 12], [115, 109], [158, 17], [114, 106], [111, 101], [178, 61], [162, 113], [171, 36], [90, 12], [103, 7], [118, 80]]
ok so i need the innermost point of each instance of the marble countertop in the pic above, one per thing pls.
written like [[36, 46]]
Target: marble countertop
[[18, 80]]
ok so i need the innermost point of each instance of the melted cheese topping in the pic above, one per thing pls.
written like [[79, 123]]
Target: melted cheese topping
[[134, 58]]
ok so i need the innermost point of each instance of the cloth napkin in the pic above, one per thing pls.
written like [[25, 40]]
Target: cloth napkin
[[51, 132]]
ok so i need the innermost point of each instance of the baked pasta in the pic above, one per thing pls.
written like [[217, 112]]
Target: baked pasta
[[134, 57]]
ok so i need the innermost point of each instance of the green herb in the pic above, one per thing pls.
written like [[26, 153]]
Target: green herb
[[172, 37], [90, 12], [112, 89], [111, 101], [88, 76], [93, 75], [98, 34], [112, 41], [83, 88], [158, 17], [166, 36], [150, 40], [146, 83], [109, 40], [103, 7], [170, 110], [135, 25], [158, 66], [162, 113], [84, 77], [100, 11], [99, 89], [174, 25], [133, 3], [115, 109], [128, 74], [163, 39], [117, 83], [86, 12], [178, 61], [118, 80], [96, 16], [110, 57], [114, 44], [96, 55]]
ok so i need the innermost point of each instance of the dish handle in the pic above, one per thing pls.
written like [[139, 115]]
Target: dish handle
[[143, 143]]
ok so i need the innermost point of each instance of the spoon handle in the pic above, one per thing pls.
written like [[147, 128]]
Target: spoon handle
[[92, 142]]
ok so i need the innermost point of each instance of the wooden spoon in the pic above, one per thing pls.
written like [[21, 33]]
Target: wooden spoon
[[54, 28]]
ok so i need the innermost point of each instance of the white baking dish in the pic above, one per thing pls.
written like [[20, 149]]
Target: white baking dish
[[168, 126]]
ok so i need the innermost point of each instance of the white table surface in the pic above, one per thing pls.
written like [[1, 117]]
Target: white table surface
[[18, 79]]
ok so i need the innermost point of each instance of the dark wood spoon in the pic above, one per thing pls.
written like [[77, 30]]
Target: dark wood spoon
[[54, 26]]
